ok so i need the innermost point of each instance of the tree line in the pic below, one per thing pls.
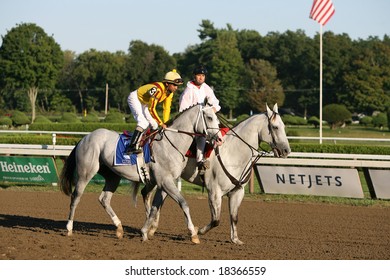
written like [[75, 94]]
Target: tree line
[[246, 70]]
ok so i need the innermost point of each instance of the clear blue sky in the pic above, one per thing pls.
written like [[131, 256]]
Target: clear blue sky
[[80, 25]]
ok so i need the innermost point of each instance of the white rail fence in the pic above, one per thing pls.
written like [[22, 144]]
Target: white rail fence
[[300, 159], [323, 160]]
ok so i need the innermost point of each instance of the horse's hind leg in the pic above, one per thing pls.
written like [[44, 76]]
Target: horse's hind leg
[[148, 229], [235, 199], [147, 192], [75, 199], [87, 167], [112, 182]]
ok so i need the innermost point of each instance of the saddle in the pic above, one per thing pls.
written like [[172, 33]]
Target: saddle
[[123, 141]]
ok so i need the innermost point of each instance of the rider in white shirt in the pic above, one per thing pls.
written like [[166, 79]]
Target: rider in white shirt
[[198, 92]]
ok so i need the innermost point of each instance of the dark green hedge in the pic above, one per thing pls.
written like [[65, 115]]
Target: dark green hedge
[[340, 148]]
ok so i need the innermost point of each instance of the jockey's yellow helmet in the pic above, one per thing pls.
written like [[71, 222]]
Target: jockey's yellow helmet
[[173, 77]]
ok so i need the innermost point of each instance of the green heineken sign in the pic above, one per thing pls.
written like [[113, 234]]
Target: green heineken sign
[[40, 170]]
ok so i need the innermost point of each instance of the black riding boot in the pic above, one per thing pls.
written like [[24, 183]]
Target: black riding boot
[[133, 147]]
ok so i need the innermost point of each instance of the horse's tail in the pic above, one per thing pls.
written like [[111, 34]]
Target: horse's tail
[[67, 173]]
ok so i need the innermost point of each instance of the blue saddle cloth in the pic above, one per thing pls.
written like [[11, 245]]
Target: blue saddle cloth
[[121, 158]]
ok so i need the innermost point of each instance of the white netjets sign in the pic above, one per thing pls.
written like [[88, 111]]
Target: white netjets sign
[[310, 181], [381, 182]]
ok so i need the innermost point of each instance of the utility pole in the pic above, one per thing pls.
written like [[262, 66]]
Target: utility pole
[[106, 108]]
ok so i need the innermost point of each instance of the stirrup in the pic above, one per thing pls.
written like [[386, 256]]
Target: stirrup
[[203, 166], [133, 150]]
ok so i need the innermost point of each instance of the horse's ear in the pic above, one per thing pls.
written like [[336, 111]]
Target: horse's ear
[[269, 112], [275, 109]]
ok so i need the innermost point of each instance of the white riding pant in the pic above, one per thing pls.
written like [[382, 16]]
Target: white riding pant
[[140, 112], [200, 145]]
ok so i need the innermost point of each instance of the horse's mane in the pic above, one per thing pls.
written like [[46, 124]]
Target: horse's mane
[[169, 122], [226, 123]]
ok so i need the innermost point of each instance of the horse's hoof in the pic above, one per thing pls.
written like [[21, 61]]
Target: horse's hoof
[[152, 231], [195, 239], [119, 231], [202, 231], [70, 233], [238, 242]]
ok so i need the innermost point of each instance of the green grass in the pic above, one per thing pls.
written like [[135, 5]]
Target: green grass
[[351, 131]]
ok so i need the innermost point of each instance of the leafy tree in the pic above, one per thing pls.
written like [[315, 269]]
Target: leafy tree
[[90, 118], [42, 119], [227, 68], [147, 63], [29, 59], [380, 120], [295, 57], [5, 121], [366, 120], [336, 114], [89, 74], [68, 117], [251, 45], [314, 121], [19, 118], [264, 85], [367, 85]]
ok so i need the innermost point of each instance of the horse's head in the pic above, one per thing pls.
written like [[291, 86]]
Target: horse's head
[[276, 135], [208, 122]]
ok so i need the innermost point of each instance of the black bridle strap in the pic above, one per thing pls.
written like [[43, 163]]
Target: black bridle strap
[[270, 128], [246, 174]]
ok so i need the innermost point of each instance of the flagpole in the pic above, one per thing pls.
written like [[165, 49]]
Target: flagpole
[[320, 83]]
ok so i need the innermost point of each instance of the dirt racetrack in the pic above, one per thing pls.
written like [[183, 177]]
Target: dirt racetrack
[[32, 226]]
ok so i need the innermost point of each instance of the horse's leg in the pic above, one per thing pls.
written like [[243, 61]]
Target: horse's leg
[[156, 216], [171, 189], [235, 199], [75, 199], [112, 182], [152, 212], [87, 167], [215, 203], [147, 197]]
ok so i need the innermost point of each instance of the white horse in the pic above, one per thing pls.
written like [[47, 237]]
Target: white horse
[[96, 151], [230, 167]]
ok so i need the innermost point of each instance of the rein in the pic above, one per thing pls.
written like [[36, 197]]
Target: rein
[[245, 176], [200, 117]]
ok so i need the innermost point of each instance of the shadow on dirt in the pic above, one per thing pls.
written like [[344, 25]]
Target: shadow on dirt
[[41, 224]]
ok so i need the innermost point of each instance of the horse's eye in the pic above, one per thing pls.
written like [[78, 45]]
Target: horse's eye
[[275, 127]]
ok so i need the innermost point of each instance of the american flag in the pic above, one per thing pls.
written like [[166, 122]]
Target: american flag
[[322, 11]]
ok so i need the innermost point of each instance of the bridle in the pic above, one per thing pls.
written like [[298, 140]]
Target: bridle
[[199, 119], [256, 155], [270, 129]]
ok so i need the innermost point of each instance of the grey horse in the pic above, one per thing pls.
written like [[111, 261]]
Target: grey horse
[[96, 151], [230, 168]]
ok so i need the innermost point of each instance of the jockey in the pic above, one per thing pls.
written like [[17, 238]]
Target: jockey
[[198, 92], [143, 102]]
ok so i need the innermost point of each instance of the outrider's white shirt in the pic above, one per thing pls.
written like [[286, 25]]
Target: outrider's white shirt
[[193, 95]]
